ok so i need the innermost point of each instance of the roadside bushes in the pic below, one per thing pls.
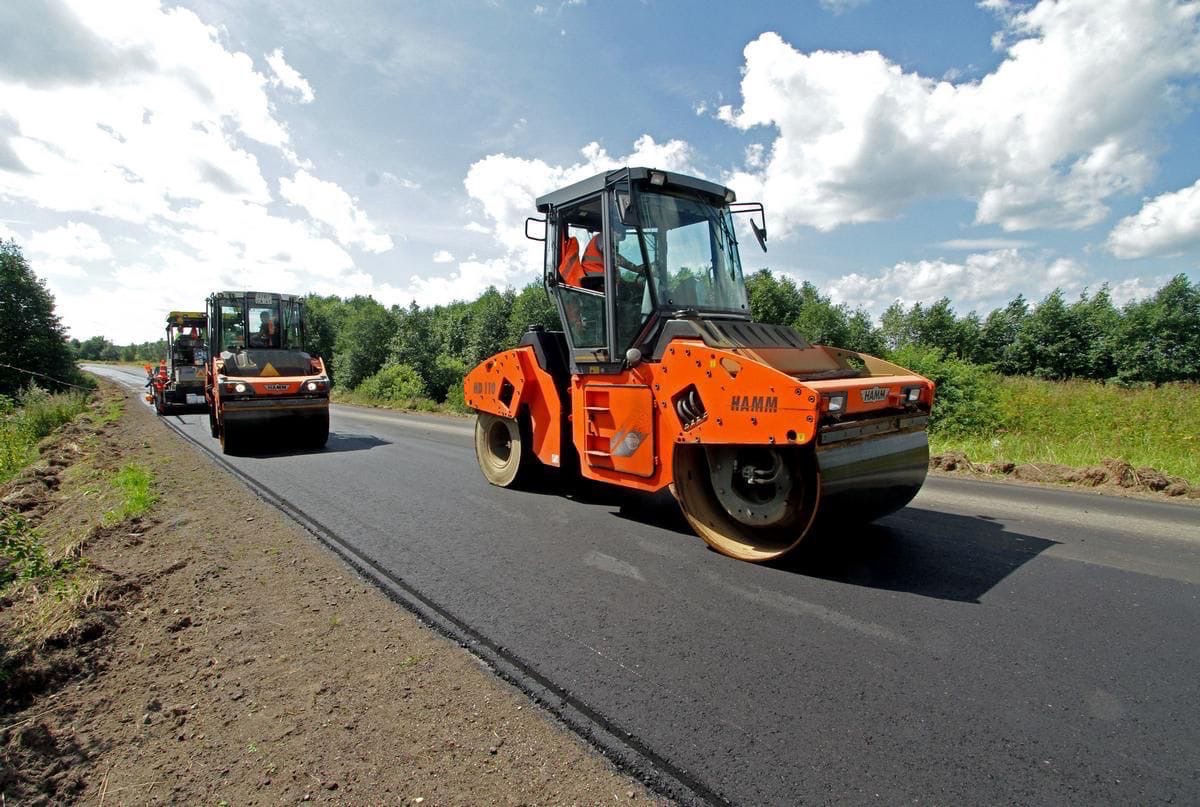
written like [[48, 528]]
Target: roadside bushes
[[393, 382], [967, 400]]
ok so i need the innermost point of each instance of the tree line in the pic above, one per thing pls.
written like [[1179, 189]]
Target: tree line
[[33, 341], [415, 351], [1154, 340]]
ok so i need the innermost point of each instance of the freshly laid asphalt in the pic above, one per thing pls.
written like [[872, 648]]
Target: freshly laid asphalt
[[991, 643]]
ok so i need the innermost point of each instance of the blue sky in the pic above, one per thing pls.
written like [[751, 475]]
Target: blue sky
[[151, 152]]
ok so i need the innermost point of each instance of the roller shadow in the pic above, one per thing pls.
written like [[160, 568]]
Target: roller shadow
[[337, 443], [924, 552], [916, 551]]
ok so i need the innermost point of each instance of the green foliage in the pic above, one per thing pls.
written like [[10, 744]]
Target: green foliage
[[393, 382], [966, 400], [531, 307], [22, 555], [27, 419], [446, 377], [415, 343], [1159, 338], [137, 493], [773, 299], [31, 335], [488, 329], [361, 344]]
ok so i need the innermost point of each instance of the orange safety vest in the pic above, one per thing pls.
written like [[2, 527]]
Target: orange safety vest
[[568, 268]]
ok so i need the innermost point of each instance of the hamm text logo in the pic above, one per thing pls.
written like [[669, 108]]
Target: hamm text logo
[[757, 403], [875, 394], [275, 387]]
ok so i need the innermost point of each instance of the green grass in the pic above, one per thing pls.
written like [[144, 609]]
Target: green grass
[[1080, 423], [137, 494], [34, 414]]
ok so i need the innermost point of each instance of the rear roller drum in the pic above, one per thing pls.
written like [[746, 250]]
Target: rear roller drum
[[213, 429], [231, 438], [318, 431], [752, 503], [502, 450]]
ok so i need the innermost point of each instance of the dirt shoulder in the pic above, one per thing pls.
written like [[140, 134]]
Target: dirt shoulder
[[1112, 477], [227, 658]]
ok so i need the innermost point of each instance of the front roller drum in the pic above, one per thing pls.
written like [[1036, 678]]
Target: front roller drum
[[752, 503], [758, 503]]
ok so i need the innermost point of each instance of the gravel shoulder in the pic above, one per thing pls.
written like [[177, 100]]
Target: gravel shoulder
[[229, 658]]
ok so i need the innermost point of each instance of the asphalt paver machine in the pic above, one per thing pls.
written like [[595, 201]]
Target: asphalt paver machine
[[262, 385], [178, 381], [660, 377]]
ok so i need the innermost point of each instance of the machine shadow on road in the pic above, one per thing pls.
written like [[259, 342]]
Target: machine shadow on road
[[337, 443], [939, 555]]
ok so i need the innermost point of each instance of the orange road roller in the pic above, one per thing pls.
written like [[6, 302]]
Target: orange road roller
[[260, 378], [660, 377]]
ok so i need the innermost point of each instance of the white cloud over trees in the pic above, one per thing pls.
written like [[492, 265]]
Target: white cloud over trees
[[1166, 224], [1061, 125], [150, 119]]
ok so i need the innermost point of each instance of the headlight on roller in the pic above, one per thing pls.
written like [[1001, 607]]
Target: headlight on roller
[[912, 394], [311, 386], [835, 402], [239, 388]]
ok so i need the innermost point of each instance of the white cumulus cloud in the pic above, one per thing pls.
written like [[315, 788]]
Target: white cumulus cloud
[[1058, 127], [443, 256], [146, 116], [288, 77], [981, 282], [327, 202], [1166, 224]]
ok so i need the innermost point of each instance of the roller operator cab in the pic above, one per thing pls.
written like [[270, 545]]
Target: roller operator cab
[[178, 381], [661, 378], [261, 382]]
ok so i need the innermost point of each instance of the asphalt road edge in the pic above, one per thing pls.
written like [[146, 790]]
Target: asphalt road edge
[[623, 749]]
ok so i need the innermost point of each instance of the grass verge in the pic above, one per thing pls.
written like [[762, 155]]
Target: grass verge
[[136, 485], [33, 415], [1081, 423]]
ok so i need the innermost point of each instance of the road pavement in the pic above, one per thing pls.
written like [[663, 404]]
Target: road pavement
[[991, 643]]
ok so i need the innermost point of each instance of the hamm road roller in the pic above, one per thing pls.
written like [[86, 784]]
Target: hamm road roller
[[260, 380], [660, 377]]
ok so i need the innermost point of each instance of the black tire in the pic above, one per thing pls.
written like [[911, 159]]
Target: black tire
[[503, 451]]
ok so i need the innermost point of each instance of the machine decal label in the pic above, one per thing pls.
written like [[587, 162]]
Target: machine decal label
[[626, 444], [275, 387], [756, 403], [484, 387], [874, 394]]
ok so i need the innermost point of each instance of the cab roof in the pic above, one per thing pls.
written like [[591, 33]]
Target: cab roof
[[187, 319], [594, 185], [274, 295]]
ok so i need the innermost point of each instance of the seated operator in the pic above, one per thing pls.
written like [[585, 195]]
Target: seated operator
[[267, 334]]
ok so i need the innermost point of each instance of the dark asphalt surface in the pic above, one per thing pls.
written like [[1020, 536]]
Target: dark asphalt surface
[[989, 644]]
